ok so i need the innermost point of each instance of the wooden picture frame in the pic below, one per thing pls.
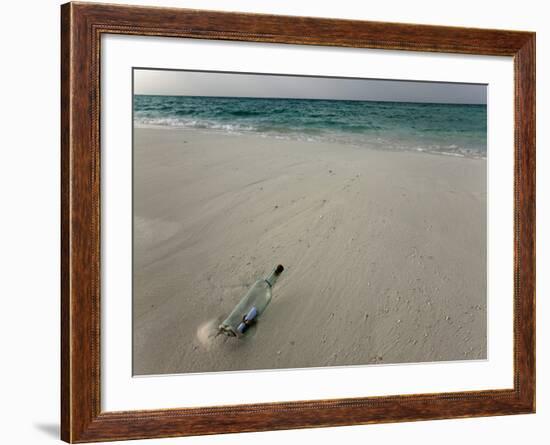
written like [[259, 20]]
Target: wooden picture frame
[[82, 25]]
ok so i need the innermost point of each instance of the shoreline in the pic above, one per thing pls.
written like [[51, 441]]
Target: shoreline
[[143, 126], [384, 253]]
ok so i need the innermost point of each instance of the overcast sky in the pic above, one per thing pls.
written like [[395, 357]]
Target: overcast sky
[[194, 83]]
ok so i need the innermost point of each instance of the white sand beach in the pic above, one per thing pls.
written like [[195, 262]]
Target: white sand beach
[[384, 253]]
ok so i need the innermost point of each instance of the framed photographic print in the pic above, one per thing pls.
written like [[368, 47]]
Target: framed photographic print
[[274, 222]]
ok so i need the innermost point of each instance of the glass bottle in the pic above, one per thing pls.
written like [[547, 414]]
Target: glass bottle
[[251, 306]]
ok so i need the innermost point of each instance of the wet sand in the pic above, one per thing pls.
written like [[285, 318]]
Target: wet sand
[[384, 253]]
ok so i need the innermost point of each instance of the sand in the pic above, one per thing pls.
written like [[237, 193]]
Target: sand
[[384, 253]]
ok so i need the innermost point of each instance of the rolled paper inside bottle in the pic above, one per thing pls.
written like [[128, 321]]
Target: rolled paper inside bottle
[[247, 320], [242, 328], [251, 315]]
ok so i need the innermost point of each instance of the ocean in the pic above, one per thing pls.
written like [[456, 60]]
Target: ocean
[[449, 129]]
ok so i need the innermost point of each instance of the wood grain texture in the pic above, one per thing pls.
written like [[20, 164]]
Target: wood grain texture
[[81, 28], [65, 226]]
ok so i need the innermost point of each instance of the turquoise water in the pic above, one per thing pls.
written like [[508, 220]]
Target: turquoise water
[[452, 129]]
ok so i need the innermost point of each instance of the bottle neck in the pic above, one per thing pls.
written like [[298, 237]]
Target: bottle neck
[[273, 276]]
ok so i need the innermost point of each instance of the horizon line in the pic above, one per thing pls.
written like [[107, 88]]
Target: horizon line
[[308, 98]]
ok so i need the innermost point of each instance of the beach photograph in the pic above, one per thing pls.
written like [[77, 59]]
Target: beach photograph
[[284, 222]]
